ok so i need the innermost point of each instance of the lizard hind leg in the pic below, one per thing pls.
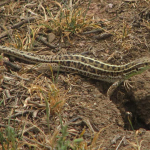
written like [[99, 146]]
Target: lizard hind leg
[[112, 88], [47, 68]]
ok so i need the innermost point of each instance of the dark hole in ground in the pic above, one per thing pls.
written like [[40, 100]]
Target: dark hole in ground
[[129, 111]]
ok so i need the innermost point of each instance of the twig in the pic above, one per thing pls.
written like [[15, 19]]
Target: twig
[[36, 142], [5, 33], [23, 112], [93, 31], [22, 22], [45, 42], [120, 143], [17, 25], [35, 104], [12, 65], [14, 75], [102, 36]]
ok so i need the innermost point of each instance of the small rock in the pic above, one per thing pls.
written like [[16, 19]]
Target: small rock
[[51, 37], [110, 5]]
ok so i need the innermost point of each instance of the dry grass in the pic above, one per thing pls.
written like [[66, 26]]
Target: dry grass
[[63, 20]]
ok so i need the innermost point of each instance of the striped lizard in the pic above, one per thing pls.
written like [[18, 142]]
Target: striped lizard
[[86, 66]]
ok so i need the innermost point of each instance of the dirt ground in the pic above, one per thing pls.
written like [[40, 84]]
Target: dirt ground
[[121, 122]]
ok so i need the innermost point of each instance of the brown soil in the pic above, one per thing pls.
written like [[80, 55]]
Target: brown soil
[[85, 106]]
